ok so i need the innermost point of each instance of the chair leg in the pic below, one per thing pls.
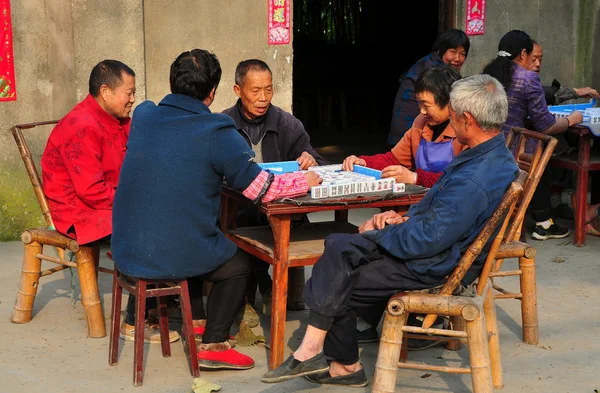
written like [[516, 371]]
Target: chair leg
[[189, 340], [138, 342], [491, 323], [30, 278], [115, 321], [458, 324], [529, 314], [90, 296], [163, 322], [479, 356], [390, 343]]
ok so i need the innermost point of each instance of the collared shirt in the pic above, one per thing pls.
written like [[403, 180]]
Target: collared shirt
[[450, 216], [80, 170], [285, 137]]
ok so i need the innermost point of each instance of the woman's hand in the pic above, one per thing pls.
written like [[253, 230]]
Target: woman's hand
[[350, 161], [400, 173]]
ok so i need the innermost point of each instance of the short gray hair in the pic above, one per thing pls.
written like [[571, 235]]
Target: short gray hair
[[483, 97]]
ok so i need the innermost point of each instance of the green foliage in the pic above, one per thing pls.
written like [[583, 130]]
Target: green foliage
[[19, 208]]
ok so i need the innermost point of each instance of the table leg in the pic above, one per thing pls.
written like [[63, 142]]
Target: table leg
[[583, 162], [228, 216], [281, 232], [341, 215]]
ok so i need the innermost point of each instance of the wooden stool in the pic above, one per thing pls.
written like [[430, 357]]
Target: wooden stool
[[143, 288]]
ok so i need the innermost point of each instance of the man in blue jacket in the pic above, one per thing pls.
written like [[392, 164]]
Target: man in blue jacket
[[393, 253], [167, 204]]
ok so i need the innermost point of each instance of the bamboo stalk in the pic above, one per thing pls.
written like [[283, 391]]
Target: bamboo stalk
[[49, 237], [430, 367], [386, 366], [529, 301], [90, 297], [30, 277], [479, 356], [53, 270], [491, 324], [506, 273], [439, 332], [56, 260]]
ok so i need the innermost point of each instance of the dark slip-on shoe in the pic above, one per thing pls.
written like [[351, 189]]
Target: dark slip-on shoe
[[357, 379], [293, 368]]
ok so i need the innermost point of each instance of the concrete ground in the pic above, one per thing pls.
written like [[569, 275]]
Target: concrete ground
[[51, 353]]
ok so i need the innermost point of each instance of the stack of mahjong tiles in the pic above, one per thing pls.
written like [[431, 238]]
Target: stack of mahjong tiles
[[360, 180]]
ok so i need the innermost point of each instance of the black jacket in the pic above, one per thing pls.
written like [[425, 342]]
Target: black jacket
[[285, 137]]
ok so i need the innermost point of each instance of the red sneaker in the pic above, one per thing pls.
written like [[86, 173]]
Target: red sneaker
[[199, 331], [228, 359]]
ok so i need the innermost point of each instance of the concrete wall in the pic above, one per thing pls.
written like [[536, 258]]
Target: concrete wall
[[56, 44], [232, 30], [566, 30]]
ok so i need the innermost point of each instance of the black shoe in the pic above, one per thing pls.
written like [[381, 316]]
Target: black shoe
[[555, 231], [369, 335], [357, 379], [293, 368]]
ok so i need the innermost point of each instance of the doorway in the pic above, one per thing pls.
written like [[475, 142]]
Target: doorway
[[348, 57]]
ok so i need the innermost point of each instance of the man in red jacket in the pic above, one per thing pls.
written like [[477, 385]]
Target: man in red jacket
[[84, 154], [83, 158]]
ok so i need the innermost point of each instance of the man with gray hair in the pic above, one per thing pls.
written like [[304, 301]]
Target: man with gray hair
[[394, 253]]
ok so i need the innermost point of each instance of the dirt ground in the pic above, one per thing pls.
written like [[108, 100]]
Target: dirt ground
[[51, 353]]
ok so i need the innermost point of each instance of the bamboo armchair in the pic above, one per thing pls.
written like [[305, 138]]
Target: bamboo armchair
[[510, 246], [86, 257], [478, 314]]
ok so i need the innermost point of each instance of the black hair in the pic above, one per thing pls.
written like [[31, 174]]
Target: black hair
[[195, 73], [109, 73], [511, 45], [451, 39], [249, 65], [438, 81]]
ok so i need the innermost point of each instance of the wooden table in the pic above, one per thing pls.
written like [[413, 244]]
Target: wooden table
[[283, 248], [582, 163]]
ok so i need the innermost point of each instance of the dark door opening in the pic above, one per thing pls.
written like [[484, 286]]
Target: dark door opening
[[348, 56]]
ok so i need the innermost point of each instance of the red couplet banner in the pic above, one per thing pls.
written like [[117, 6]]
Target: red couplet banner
[[8, 91], [475, 17], [279, 22]]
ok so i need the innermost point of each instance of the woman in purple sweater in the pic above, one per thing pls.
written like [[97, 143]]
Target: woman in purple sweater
[[526, 101]]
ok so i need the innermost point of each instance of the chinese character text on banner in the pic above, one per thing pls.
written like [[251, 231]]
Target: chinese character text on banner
[[279, 22], [8, 90]]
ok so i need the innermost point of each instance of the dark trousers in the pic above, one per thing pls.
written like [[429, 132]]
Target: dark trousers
[[353, 274], [540, 206], [225, 299]]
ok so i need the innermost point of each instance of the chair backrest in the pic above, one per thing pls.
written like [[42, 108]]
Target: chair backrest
[[32, 171], [534, 162], [502, 214]]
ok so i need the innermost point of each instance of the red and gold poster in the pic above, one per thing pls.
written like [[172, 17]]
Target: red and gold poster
[[475, 17], [279, 22], [8, 91]]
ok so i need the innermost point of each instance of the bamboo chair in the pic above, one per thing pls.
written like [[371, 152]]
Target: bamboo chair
[[86, 257], [511, 247], [478, 312]]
